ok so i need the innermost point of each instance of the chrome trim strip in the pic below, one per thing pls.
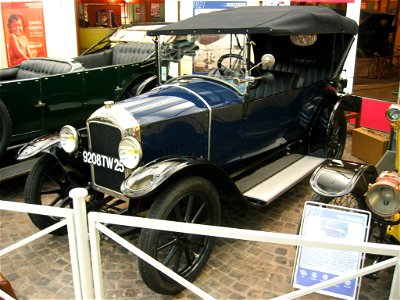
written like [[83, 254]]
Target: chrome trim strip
[[144, 84], [209, 111]]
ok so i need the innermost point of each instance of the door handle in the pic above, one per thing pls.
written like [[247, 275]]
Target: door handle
[[40, 104]]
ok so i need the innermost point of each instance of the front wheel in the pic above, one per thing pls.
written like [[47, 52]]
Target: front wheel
[[189, 200], [49, 183]]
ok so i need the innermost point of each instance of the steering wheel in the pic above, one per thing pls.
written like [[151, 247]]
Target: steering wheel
[[230, 71]]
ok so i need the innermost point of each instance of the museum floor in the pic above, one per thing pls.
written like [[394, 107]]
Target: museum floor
[[236, 269]]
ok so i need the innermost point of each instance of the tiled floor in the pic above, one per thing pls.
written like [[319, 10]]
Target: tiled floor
[[236, 269]]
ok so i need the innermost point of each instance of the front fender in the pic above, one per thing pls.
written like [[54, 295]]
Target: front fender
[[38, 145], [151, 177], [336, 178]]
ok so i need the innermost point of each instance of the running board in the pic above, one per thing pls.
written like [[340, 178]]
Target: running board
[[283, 180], [17, 169]]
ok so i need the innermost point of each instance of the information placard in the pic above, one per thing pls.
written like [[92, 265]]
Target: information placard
[[315, 265]]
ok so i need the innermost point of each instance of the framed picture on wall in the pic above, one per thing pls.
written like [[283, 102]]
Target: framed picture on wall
[[105, 18], [24, 33]]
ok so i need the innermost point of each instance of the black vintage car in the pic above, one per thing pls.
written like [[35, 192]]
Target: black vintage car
[[42, 94], [246, 106]]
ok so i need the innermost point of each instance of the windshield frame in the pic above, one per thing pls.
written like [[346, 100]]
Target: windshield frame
[[239, 45]]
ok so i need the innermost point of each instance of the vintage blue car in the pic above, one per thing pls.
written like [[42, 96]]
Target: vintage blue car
[[246, 106]]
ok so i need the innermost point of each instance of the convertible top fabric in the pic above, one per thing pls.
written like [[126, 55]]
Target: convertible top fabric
[[272, 20]]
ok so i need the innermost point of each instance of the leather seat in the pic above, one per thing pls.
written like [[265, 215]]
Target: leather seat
[[310, 70], [34, 68], [126, 53], [283, 81]]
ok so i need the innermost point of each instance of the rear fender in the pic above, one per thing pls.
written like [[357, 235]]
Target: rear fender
[[336, 178], [152, 177]]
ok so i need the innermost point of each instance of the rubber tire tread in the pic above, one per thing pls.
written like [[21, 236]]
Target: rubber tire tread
[[323, 199], [32, 192], [160, 209], [343, 124]]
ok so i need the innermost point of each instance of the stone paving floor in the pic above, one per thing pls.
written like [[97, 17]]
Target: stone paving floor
[[236, 269]]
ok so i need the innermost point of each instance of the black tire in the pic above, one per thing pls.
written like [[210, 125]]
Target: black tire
[[351, 200], [133, 89], [5, 128], [48, 183], [192, 199], [336, 135]]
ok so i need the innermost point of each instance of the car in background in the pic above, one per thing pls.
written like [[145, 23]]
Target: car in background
[[376, 33], [42, 94]]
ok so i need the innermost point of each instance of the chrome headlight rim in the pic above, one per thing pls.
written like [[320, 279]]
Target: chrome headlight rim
[[69, 139], [393, 113], [130, 152], [374, 205]]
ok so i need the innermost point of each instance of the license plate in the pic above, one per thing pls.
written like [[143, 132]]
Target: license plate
[[104, 161]]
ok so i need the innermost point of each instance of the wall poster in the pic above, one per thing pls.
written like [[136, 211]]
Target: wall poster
[[24, 33]]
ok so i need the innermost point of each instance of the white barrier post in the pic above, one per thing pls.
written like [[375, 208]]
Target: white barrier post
[[395, 289], [94, 238], [78, 195]]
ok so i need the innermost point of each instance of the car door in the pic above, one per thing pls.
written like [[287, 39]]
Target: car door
[[100, 86], [62, 97], [272, 119], [22, 99]]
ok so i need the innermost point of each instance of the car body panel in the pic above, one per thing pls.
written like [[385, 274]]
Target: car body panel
[[46, 97], [28, 93]]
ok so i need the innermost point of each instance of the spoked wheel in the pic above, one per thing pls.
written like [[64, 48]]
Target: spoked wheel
[[49, 183], [190, 200], [351, 200], [336, 135]]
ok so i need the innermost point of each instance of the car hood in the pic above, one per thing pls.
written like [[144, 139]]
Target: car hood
[[172, 101]]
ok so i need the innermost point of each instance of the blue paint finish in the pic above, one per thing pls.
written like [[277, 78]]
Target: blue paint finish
[[175, 121]]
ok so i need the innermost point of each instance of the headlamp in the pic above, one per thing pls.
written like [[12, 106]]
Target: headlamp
[[130, 152], [383, 197], [69, 139], [393, 113]]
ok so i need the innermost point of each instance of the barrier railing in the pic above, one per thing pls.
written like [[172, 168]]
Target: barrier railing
[[82, 271], [76, 223]]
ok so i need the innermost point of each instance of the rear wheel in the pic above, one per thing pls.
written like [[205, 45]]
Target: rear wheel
[[49, 183], [351, 200], [336, 135], [190, 200]]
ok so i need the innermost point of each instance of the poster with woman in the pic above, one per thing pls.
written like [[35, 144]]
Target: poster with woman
[[24, 33]]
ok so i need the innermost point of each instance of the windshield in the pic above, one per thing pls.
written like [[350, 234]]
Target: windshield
[[218, 56]]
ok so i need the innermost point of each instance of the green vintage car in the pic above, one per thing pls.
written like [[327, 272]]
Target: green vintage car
[[42, 94]]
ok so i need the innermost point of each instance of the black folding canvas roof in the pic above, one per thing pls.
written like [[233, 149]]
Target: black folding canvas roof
[[272, 20]]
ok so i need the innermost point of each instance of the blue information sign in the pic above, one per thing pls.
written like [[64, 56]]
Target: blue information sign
[[207, 6], [315, 265]]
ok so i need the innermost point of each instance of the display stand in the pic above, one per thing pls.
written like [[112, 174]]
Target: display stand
[[314, 265]]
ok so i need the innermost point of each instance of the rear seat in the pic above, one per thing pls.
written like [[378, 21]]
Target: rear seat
[[126, 53], [96, 60], [310, 70], [39, 67], [283, 81]]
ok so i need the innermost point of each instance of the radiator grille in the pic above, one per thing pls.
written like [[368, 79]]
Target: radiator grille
[[105, 140]]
